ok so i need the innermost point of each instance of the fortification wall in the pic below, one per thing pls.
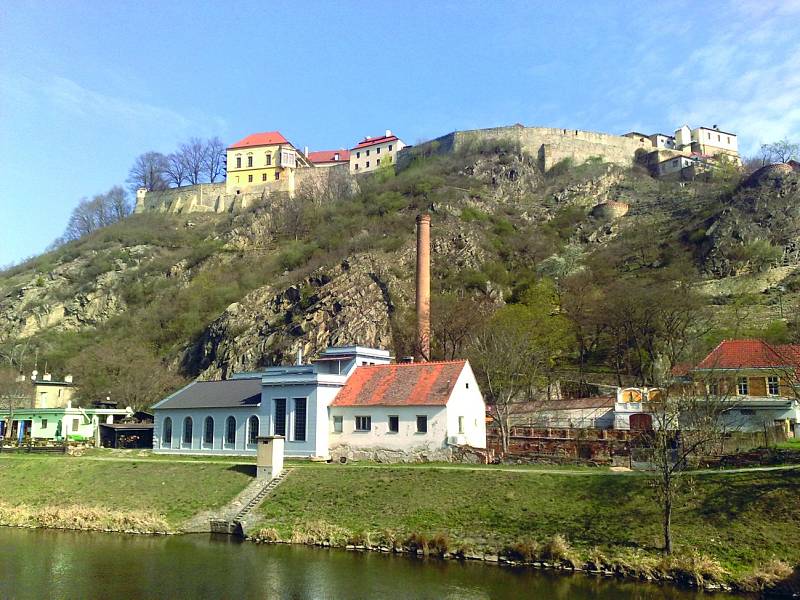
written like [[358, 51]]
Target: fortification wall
[[214, 198], [548, 144]]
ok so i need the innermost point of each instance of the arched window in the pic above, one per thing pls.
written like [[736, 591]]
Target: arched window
[[208, 432], [252, 429], [230, 430], [166, 436], [187, 431]]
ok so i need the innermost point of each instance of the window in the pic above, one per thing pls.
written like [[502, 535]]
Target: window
[[187, 431], [378, 150], [366, 165], [237, 179], [378, 162], [208, 431], [713, 388], [277, 175], [741, 386], [719, 138], [44, 423], [394, 423], [337, 423], [252, 429], [773, 386], [280, 417], [460, 424], [269, 160], [467, 385], [390, 147], [729, 139], [76, 424], [250, 160], [367, 152], [230, 431], [263, 177], [166, 435], [300, 412], [336, 156], [250, 179], [422, 424], [356, 166], [358, 154], [363, 423], [238, 162]]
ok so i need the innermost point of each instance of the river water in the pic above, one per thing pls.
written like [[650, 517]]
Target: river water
[[63, 564]]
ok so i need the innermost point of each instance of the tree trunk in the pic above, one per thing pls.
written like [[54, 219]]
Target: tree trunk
[[668, 525]]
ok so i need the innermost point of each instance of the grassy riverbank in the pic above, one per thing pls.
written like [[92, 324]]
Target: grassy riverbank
[[741, 521], [119, 495]]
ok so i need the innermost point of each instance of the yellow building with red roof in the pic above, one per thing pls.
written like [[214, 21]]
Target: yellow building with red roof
[[263, 159]]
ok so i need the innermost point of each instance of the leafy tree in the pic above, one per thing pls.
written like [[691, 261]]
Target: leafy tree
[[515, 351], [148, 172]]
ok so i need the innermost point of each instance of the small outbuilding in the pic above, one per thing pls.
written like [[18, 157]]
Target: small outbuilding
[[126, 435]]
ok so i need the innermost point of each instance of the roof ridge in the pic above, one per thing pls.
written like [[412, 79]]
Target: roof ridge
[[418, 364]]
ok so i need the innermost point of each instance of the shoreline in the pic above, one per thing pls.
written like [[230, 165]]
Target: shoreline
[[566, 567]]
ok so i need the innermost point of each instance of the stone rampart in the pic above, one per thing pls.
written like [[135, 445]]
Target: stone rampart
[[548, 144], [214, 198]]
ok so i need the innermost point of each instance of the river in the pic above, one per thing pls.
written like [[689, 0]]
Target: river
[[64, 564]]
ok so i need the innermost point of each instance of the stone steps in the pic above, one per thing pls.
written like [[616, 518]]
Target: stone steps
[[258, 498]]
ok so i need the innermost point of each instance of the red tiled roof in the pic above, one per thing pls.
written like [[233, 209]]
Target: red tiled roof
[[376, 140], [751, 354], [268, 138], [405, 384], [324, 156]]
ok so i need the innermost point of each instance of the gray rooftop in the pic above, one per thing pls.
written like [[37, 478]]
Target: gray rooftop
[[231, 393]]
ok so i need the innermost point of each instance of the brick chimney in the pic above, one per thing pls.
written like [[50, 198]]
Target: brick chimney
[[424, 287]]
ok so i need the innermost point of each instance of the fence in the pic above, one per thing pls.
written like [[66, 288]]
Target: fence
[[31, 449]]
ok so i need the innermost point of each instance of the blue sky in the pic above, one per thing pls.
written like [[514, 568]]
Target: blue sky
[[87, 86]]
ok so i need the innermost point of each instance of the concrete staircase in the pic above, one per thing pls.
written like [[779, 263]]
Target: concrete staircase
[[259, 497], [231, 519]]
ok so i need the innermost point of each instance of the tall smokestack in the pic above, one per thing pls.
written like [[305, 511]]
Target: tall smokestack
[[424, 287]]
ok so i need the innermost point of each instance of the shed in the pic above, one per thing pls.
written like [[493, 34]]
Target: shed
[[126, 435]]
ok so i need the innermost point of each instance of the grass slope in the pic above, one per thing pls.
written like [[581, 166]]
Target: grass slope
[[740, 519], [174, 491]]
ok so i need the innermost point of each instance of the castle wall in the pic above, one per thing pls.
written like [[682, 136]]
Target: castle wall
[[213, 197], [548, 144]]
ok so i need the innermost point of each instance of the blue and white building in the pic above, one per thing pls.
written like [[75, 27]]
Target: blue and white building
[[226, 417]]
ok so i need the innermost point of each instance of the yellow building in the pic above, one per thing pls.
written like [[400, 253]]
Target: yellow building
[[52, 394], [262, 160]]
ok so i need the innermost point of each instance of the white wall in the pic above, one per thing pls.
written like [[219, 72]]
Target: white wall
[[197, 446], [718, 139], [467, 401], [380, 437], [361, 158]]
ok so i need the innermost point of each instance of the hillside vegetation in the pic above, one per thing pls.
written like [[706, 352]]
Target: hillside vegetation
[[135, 308]]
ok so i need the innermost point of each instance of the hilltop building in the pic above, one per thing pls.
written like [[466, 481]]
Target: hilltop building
[[373, 152], [350, 401], [261, 159], [329, 158]]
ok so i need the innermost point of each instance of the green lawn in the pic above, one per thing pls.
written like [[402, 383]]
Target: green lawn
[[175, 491], [738, 518]]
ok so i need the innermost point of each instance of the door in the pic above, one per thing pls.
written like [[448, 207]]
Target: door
[[641, 422]]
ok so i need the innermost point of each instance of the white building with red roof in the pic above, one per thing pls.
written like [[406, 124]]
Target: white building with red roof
[[417, 408], [372, 153], [329, 158]]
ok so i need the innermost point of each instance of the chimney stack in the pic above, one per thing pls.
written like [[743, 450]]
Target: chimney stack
[[424, 287]]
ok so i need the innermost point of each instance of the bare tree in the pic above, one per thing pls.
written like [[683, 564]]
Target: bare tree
[[214, 159], [175, 169], [14, 392], [780, 152], [148, 172], [454, 321], [100, 211], [193, 154], [689, 422]]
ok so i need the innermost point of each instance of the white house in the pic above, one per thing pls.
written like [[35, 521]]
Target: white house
[[226, 417], [418, 408], [373, 152]]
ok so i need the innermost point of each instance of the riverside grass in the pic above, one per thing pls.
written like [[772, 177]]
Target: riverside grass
[[119, 495], [728, 527]]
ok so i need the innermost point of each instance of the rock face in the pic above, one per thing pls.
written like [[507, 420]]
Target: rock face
[[346, 305], [765, 209]]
